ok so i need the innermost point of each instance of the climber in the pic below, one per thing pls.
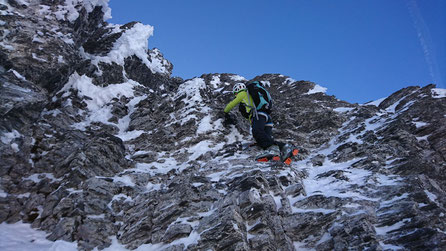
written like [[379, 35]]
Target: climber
[[257, 111]]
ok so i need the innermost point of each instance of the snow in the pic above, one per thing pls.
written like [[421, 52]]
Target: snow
[[343, 109], [376, 102], [133, 41], [70, 12], [126, 180], [277, 200], [392, 108], [191, 89], [153, 187], [326, 237], [202, 148], [98, 98], [36, 179], [316, 89], [3, 194], [301, 246], [238, 78], [316, 210], [420, 124], [126, 136], [6, 46], [390, 246], [386, 229], [8, 137], [162, 166], [20, 236], [331, 186], [124, 122], [423, 138], [438, 93], [289, 81], [19, 76], [393, 200], [432, 197], [38, 58], [205, 125], [266, 83]]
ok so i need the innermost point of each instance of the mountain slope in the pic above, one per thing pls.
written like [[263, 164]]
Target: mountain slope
[[101, 146]]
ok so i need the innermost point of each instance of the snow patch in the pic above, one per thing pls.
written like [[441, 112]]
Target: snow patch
[[289, 81], [383, 230], [420, 124], [316, 89], [438, 93], [20, 236], [133, 41], [238, 78], [8, 137], [71, 13], [37, 177], [432, 197], [98, 98], [343, 109], [376, 102]]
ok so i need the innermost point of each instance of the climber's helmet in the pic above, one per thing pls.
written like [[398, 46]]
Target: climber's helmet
[[238, 88]]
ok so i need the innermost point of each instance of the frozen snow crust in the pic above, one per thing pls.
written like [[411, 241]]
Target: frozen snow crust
[[102, 149]]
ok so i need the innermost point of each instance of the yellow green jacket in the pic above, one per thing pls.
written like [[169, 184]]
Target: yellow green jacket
[[243, 97]]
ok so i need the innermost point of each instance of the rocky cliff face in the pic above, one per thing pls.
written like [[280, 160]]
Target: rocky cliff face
[[99, 144]]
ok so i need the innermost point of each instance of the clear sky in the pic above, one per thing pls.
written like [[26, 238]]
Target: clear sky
[[361, 50]]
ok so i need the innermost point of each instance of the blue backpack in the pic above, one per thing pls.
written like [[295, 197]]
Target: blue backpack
[[261, 97]]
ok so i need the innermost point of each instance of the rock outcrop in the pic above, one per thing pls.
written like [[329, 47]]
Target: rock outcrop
[[100, 143]]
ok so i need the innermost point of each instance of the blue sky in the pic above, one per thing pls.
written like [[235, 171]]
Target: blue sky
[[361, 50]]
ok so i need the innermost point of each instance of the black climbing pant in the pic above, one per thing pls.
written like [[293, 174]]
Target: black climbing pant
[[262, 127]]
